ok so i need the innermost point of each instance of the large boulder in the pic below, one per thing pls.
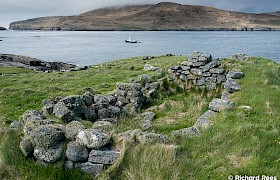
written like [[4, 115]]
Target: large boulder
[[103, 157], [61, 111], [49, 155], [76, 153], [72, 129], [47, 136], [29, 126], [93, 139], [76, 107]]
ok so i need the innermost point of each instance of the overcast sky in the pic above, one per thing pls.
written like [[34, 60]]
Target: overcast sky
[[14, 10]]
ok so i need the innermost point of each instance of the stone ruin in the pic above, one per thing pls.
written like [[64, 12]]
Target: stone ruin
[[89, 149], [200, 71], [92, 149]]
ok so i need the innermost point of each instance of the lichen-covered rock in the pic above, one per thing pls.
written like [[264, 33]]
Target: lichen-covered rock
[[148, 67], [26, 146], [203, 121], [103, 126], [235, 74], [103, 157], [89, 167], [47, 136], [219, 105], [88, 98], [151, 138], [114, 111], [31, 115], [15, 125], [72, 129], [76, 153], [231, 85], [93, 139], [100, 99], [76, 107], [144, 79], [61, 111], [47, 108], [189, 132], [49, 155], [217, 70], [29, 126]]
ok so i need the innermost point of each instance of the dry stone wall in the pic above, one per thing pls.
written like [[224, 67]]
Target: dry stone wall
[[92, 149], [200, 71]]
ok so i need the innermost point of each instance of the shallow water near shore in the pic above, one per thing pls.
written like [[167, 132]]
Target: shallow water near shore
[[94, 47]]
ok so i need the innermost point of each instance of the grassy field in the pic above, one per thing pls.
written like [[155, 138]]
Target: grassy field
[[240, 142]]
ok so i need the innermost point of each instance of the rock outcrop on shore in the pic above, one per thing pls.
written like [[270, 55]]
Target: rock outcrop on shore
[[2, 28], [162, 16], [17, 61]]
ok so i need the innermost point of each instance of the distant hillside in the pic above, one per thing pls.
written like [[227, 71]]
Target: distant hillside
[[162, 16], [277, 13]]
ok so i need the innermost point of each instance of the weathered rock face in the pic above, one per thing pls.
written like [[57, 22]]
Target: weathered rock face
[[26, 146], [76, 153], [231, 86], [235, 74], [151, 138], [72, 129], [47, 136], [219, 105], [93, 139], [199, 71], [130, 97], [89, 167], [103, 157], [50, 155]]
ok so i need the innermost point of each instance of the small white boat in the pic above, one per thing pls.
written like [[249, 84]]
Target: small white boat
[[129, 40]]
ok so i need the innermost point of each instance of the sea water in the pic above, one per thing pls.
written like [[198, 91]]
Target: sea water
[[94, 47]]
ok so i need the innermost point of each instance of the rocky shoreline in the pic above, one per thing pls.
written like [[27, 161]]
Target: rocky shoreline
[[17, 61]]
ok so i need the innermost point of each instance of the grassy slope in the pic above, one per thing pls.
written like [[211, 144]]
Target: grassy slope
[[240, 141]]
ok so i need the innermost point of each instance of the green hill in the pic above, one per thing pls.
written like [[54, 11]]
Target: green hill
[[161, 16]]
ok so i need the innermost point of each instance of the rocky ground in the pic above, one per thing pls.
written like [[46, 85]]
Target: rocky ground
[[17, 61]]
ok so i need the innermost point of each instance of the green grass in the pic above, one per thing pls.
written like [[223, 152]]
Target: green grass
[[245, 142]]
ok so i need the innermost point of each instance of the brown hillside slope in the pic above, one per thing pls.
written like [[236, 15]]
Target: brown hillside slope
[[162, 16]]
